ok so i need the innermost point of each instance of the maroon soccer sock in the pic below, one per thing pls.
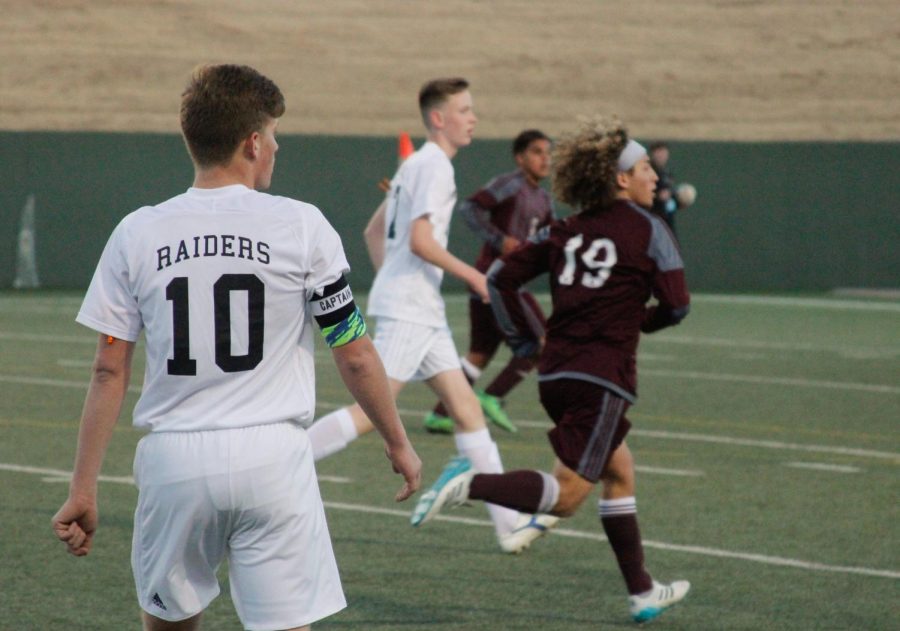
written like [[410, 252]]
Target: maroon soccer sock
[[520, 490], [619, 519], [440, 410], [510, 376]]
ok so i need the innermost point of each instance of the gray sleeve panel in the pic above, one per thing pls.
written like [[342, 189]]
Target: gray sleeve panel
[[505, 186], [662, 248], [501, 314], [479, 221]]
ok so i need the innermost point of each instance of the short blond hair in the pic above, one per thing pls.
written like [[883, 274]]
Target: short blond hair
[[436, 92], [585, 163]]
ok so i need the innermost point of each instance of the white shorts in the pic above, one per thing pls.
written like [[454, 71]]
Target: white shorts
[[414, 352], [248, 495]]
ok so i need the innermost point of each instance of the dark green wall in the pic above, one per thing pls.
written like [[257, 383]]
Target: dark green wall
[[769, 216]]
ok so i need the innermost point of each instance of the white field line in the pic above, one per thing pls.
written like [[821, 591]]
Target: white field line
[[58, 475], [702, 438], [662, 338], [653, 372], [724, 342], [803, 303], [767, 444], [775, 381], [821, 466], [70, 305], [54, 383], [688, 473], [53, 339], [659, 545], [74, 363], [765, 301]]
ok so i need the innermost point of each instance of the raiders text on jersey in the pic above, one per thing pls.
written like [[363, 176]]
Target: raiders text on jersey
[[212, 245]]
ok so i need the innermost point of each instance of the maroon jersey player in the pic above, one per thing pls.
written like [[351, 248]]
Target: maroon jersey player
[[508, 210], [605, 263]]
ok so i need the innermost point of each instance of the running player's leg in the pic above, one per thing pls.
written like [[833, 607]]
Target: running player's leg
[[473, 440], [484, 340], [618, 514], [583, 438]]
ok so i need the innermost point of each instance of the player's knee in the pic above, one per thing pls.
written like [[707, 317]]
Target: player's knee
[[565, 508], [571, 497]]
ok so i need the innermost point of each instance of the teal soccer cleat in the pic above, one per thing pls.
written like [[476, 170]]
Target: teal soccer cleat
[[451, 489], [660, 598]]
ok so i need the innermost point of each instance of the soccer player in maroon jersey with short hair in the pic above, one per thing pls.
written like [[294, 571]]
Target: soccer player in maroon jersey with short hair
[[504, 213], [605, 263]]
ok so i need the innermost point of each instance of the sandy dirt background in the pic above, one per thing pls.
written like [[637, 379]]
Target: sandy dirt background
[[701, 69]]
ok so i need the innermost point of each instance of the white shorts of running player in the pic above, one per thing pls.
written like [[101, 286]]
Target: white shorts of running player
[[248, 495], [414, 352]]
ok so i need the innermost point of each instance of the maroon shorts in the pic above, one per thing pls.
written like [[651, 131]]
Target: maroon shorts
[[484, 334], [589, 421]]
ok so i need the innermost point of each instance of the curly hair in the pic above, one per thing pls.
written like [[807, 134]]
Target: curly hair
[[585, 163]]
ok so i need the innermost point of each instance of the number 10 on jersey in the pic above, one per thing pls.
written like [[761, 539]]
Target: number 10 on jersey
[[177, 292]]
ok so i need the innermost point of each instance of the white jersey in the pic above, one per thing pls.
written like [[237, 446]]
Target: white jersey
[[407, 287], [220, 279]]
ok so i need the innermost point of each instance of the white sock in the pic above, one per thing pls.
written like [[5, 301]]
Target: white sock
[[550, 495], [485, 458], [331, 433], [614, 508], [472, 371]]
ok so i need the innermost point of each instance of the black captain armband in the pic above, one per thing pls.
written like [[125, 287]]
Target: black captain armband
[[336, 314]]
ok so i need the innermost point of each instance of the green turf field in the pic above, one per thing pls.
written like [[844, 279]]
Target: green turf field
[[767, 439]]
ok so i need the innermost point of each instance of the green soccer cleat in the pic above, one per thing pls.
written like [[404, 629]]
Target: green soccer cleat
[[437, 424], [493, 410]]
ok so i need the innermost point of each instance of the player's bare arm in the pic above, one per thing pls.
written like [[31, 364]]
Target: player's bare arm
[[423, 244], [76, 521], [363, 374], [374, 236]]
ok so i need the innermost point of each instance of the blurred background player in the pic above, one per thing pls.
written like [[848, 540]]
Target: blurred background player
[[226, 469], [670, 197], [507, 211], [604, 262], [412, 334]]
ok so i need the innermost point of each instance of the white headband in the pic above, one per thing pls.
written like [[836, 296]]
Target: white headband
[[632, 152]]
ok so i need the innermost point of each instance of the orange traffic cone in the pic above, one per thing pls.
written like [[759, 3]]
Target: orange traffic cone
[[404, 150], [404, 147]]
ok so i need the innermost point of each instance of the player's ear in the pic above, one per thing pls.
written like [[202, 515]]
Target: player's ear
[[251, 146], [622, 179], [436, 118]]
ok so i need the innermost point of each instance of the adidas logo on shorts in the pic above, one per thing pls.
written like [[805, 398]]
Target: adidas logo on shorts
[[156, 600]]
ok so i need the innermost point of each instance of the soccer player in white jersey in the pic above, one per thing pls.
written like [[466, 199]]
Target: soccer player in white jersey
[[225, 281], [412, 335]]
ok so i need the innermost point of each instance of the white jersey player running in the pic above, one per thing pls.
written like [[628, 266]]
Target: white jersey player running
[[225, 282], [409, 233]]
